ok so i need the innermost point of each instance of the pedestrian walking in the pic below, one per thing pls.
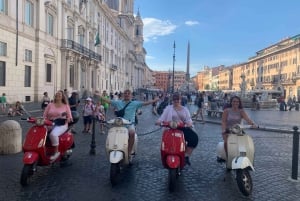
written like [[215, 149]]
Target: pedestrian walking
[[105, 104], [100, 115], [88, 112], [45, 100], [3, 103], [74, 103], [66, 93], [154, 106], [199, 104], [290, 103]]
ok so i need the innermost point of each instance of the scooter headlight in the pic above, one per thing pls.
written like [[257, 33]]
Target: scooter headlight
[[118, 122], [173, 124], [236, 129], [39, 121]]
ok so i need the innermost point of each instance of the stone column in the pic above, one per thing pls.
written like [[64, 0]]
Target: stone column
[[10, 137]]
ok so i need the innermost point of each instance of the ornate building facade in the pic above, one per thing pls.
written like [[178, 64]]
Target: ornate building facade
[[276, 67], [82, 45]]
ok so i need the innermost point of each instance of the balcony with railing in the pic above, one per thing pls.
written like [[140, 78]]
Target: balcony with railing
[[76, 47], [288, 81]]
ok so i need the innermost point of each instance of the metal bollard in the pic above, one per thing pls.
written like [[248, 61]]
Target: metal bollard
[[295, 153], [93, 142]]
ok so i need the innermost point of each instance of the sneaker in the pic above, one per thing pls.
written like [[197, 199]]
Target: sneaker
[[54, 156], [187, 160]]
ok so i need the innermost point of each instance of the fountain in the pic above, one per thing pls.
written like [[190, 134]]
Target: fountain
[[267, 98]]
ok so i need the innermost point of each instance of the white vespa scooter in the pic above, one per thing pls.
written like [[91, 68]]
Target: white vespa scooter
[[240, 149], [117, 147]]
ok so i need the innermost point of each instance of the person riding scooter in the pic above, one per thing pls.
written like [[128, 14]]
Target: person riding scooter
[[59, 112], [177, 112], [131, 106], [232, 115]]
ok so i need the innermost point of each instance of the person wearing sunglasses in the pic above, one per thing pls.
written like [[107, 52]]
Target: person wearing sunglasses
[[177, 112]]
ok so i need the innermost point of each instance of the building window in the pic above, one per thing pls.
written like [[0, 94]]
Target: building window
[[81, 32], [70, 32], [72, 76], [48, 73], [2, 73], [69, 2], [28, 55], [3, 6], [29, 13], [27, 80], [50, 24], [3, 49], [93, 79]]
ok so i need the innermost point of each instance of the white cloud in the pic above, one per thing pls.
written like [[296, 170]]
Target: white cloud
[[155, 27], [191, 23], [150, 57]]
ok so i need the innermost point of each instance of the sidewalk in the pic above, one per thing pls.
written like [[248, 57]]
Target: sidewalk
[[269, 120]]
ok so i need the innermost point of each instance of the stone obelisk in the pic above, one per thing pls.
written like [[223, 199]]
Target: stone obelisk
[[187, 77]]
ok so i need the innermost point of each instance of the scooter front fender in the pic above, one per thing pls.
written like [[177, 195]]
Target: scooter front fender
[[173, 161], [30, 157], [241, 162], [116, 156]]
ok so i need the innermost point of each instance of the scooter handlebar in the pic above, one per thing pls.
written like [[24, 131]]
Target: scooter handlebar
[[35, 120], [172, 124]]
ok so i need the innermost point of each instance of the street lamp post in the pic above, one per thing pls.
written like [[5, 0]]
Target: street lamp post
[[173, 68], [93, 142]]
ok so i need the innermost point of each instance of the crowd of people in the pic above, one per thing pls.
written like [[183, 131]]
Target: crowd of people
[[166, 106]]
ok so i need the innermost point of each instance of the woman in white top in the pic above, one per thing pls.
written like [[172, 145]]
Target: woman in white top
[[177, 112]]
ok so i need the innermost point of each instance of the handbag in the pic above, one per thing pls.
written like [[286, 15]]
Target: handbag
[[121, 113], [60, 121]]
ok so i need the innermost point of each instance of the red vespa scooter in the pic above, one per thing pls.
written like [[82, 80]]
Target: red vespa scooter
[[37, 147], [173, 151]]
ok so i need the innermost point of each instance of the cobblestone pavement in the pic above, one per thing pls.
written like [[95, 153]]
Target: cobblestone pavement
[[88, 176]]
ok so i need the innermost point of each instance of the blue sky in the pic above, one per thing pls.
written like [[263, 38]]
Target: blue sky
[[220, 32]]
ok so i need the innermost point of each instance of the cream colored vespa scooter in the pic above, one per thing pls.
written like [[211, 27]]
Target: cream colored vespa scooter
[[240, 156], [117, 147]]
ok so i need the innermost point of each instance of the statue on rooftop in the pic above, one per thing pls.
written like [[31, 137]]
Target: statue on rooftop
[[243, 86]]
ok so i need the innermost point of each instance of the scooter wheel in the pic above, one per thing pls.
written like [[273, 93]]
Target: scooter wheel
[[172, 179], [114, 173], [244, 181], [27, 172]]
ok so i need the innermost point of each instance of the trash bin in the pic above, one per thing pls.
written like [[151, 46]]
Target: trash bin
[[297, 106]]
